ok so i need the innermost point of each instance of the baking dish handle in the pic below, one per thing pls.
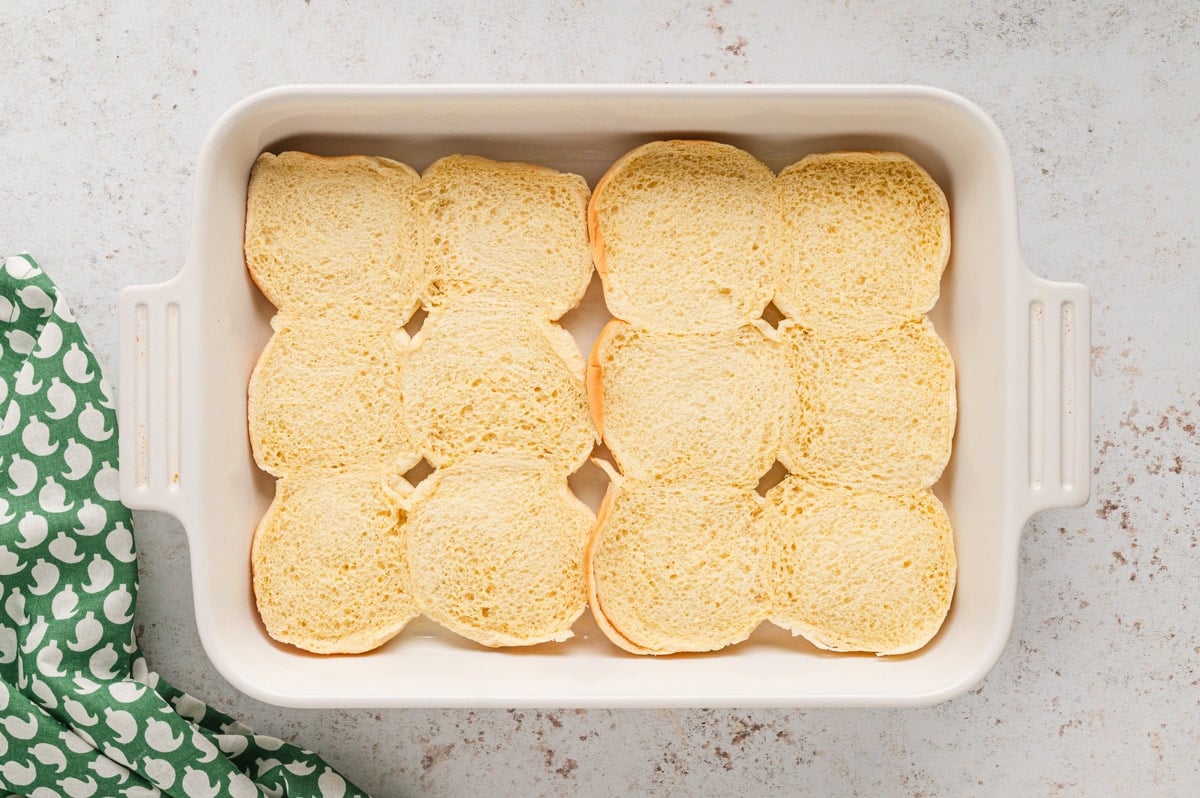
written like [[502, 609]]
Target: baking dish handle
[[1057, 327], [150, 398]]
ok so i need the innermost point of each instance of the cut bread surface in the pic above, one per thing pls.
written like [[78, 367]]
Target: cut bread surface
[[328, 396], [877, 411], [346, 248], [704, 408], [854, 393], [334, 236], [693, 394], [486, 375], [858, 571], [866, 235], [683, 235], [495, 547], [676, 568], [328, 564], [504, 227]]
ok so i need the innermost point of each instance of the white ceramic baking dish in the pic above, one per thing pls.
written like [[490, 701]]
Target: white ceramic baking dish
[[1021, 345]]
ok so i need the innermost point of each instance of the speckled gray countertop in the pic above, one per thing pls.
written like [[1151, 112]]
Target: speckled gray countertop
[[103, 106]]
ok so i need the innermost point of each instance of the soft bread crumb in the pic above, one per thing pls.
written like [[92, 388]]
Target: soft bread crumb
[[677, 568], [867, 235], [513, 227], [495, 550], [854, 251], [877, 410], [328, 396], [731, 398], [852, 570], [695, 399], [345, 248], [683, 235], [334, 236], [487, 375], [328, 564]]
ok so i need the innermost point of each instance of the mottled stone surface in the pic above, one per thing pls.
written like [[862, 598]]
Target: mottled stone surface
[[103, 106]]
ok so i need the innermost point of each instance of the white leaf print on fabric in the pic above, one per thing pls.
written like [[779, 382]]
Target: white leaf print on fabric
[[65, 549], [34, 298], [79, 713], [331, 785], [118, 604], [240, 786], [20, 341], [45, 577], [233, 745], [33, 528], [36, 438], [15, 607], [50, 756], [66, 603], [9, 311], [53, 497], [24, 475], [120, 543], [159, 736], [126, 692], [61, 398], [78, 788], [19, 774], [100, 575], [93, 517], [102, 662], [49, 661], [197, 785], [88, 632], [84, 685], [122, 723], [21, 267], [76, 366], [10, 562], [107, 483], [27, 380], [42, 693], [93, 424], [78, 458], [12, 418], [49, 342], [37, 631], [20, 728], [8, 645]]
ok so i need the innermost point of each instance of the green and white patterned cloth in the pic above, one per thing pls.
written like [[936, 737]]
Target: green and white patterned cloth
[[80, 713]]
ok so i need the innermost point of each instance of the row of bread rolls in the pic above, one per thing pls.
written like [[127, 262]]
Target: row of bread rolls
[[494, 397], [696, 396], [489, 391], [330, 242]]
